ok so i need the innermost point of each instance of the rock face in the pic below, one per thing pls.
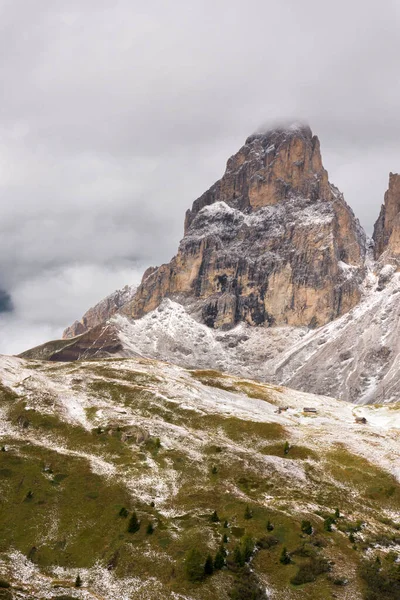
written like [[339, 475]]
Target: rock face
[[271, 243], [387, 228], [102, 311]]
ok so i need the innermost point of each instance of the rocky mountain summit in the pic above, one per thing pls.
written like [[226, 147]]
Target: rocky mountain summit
[[272, 242], [274, 279]]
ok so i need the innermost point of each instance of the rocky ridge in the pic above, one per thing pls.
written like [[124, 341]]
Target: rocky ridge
[[102, 311]]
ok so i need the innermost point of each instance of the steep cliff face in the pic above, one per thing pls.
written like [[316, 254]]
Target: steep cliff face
[[387, 228], [272, 242], [102, 311]]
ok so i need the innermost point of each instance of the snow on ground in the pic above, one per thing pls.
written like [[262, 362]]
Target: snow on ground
[[357, 355]]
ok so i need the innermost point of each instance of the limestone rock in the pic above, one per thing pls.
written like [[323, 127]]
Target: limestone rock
[[271, 243], [387, 228], [102, 311]]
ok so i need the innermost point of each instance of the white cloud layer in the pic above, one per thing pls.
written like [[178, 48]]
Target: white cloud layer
[[116, 115]]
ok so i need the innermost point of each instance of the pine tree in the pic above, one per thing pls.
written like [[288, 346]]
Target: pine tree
[[150, 529], [123, 512], [247, 547], [226, 524], [214, 517], [238, 557], [306, 527], [157, 443], [270, 527], [194, 568], [78, 581], [214, 470], [224, 539], [284, 557], [337, 513], [134, 523], [286, 448], [248, 513], [209, 566], [352, 539], [219, 560], [328, 523]]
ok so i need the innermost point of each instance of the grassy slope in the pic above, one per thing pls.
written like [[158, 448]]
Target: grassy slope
[[61, 508]]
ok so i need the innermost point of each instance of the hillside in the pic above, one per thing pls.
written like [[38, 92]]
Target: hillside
[[83, 440]]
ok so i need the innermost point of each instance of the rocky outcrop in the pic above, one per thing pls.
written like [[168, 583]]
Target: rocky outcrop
[[271, 243], [387, 228], [102, 311]]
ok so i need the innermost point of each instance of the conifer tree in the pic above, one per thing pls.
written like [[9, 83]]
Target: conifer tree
[[284, 557], [286, 448], [78, 581], [209, 566], [134, 523], [270, 527], [219, 560], [214, 517], [238, 557], [194, 568], [306, 527]]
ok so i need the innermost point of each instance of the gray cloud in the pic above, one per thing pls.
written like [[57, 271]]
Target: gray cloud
[[115, 116]]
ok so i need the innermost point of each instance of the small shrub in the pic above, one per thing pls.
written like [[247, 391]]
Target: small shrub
[[248, 514], [214, 470], [286, 448], [269, 526], [4, 584], [150, 529], [267, 542], [247, 587], [306, 527], [123, 512], [310, 570], [214, 517], [78, 581], [224, 539]]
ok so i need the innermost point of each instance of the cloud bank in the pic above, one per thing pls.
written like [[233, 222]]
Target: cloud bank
[[115, 116]]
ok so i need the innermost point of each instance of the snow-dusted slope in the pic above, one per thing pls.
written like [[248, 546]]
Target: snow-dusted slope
[[81, 440], [355, 358]]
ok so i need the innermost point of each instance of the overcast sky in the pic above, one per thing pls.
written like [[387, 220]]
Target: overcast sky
[[115, 115]]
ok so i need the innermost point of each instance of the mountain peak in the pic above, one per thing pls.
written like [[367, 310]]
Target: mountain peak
[[273, 165], [387, 228], [282, 130]]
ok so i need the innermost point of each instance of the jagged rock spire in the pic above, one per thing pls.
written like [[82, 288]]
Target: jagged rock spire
[[387, 228], [271, 242], [271, 166]]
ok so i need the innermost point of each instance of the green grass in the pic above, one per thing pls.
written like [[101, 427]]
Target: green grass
[[374, 484]]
